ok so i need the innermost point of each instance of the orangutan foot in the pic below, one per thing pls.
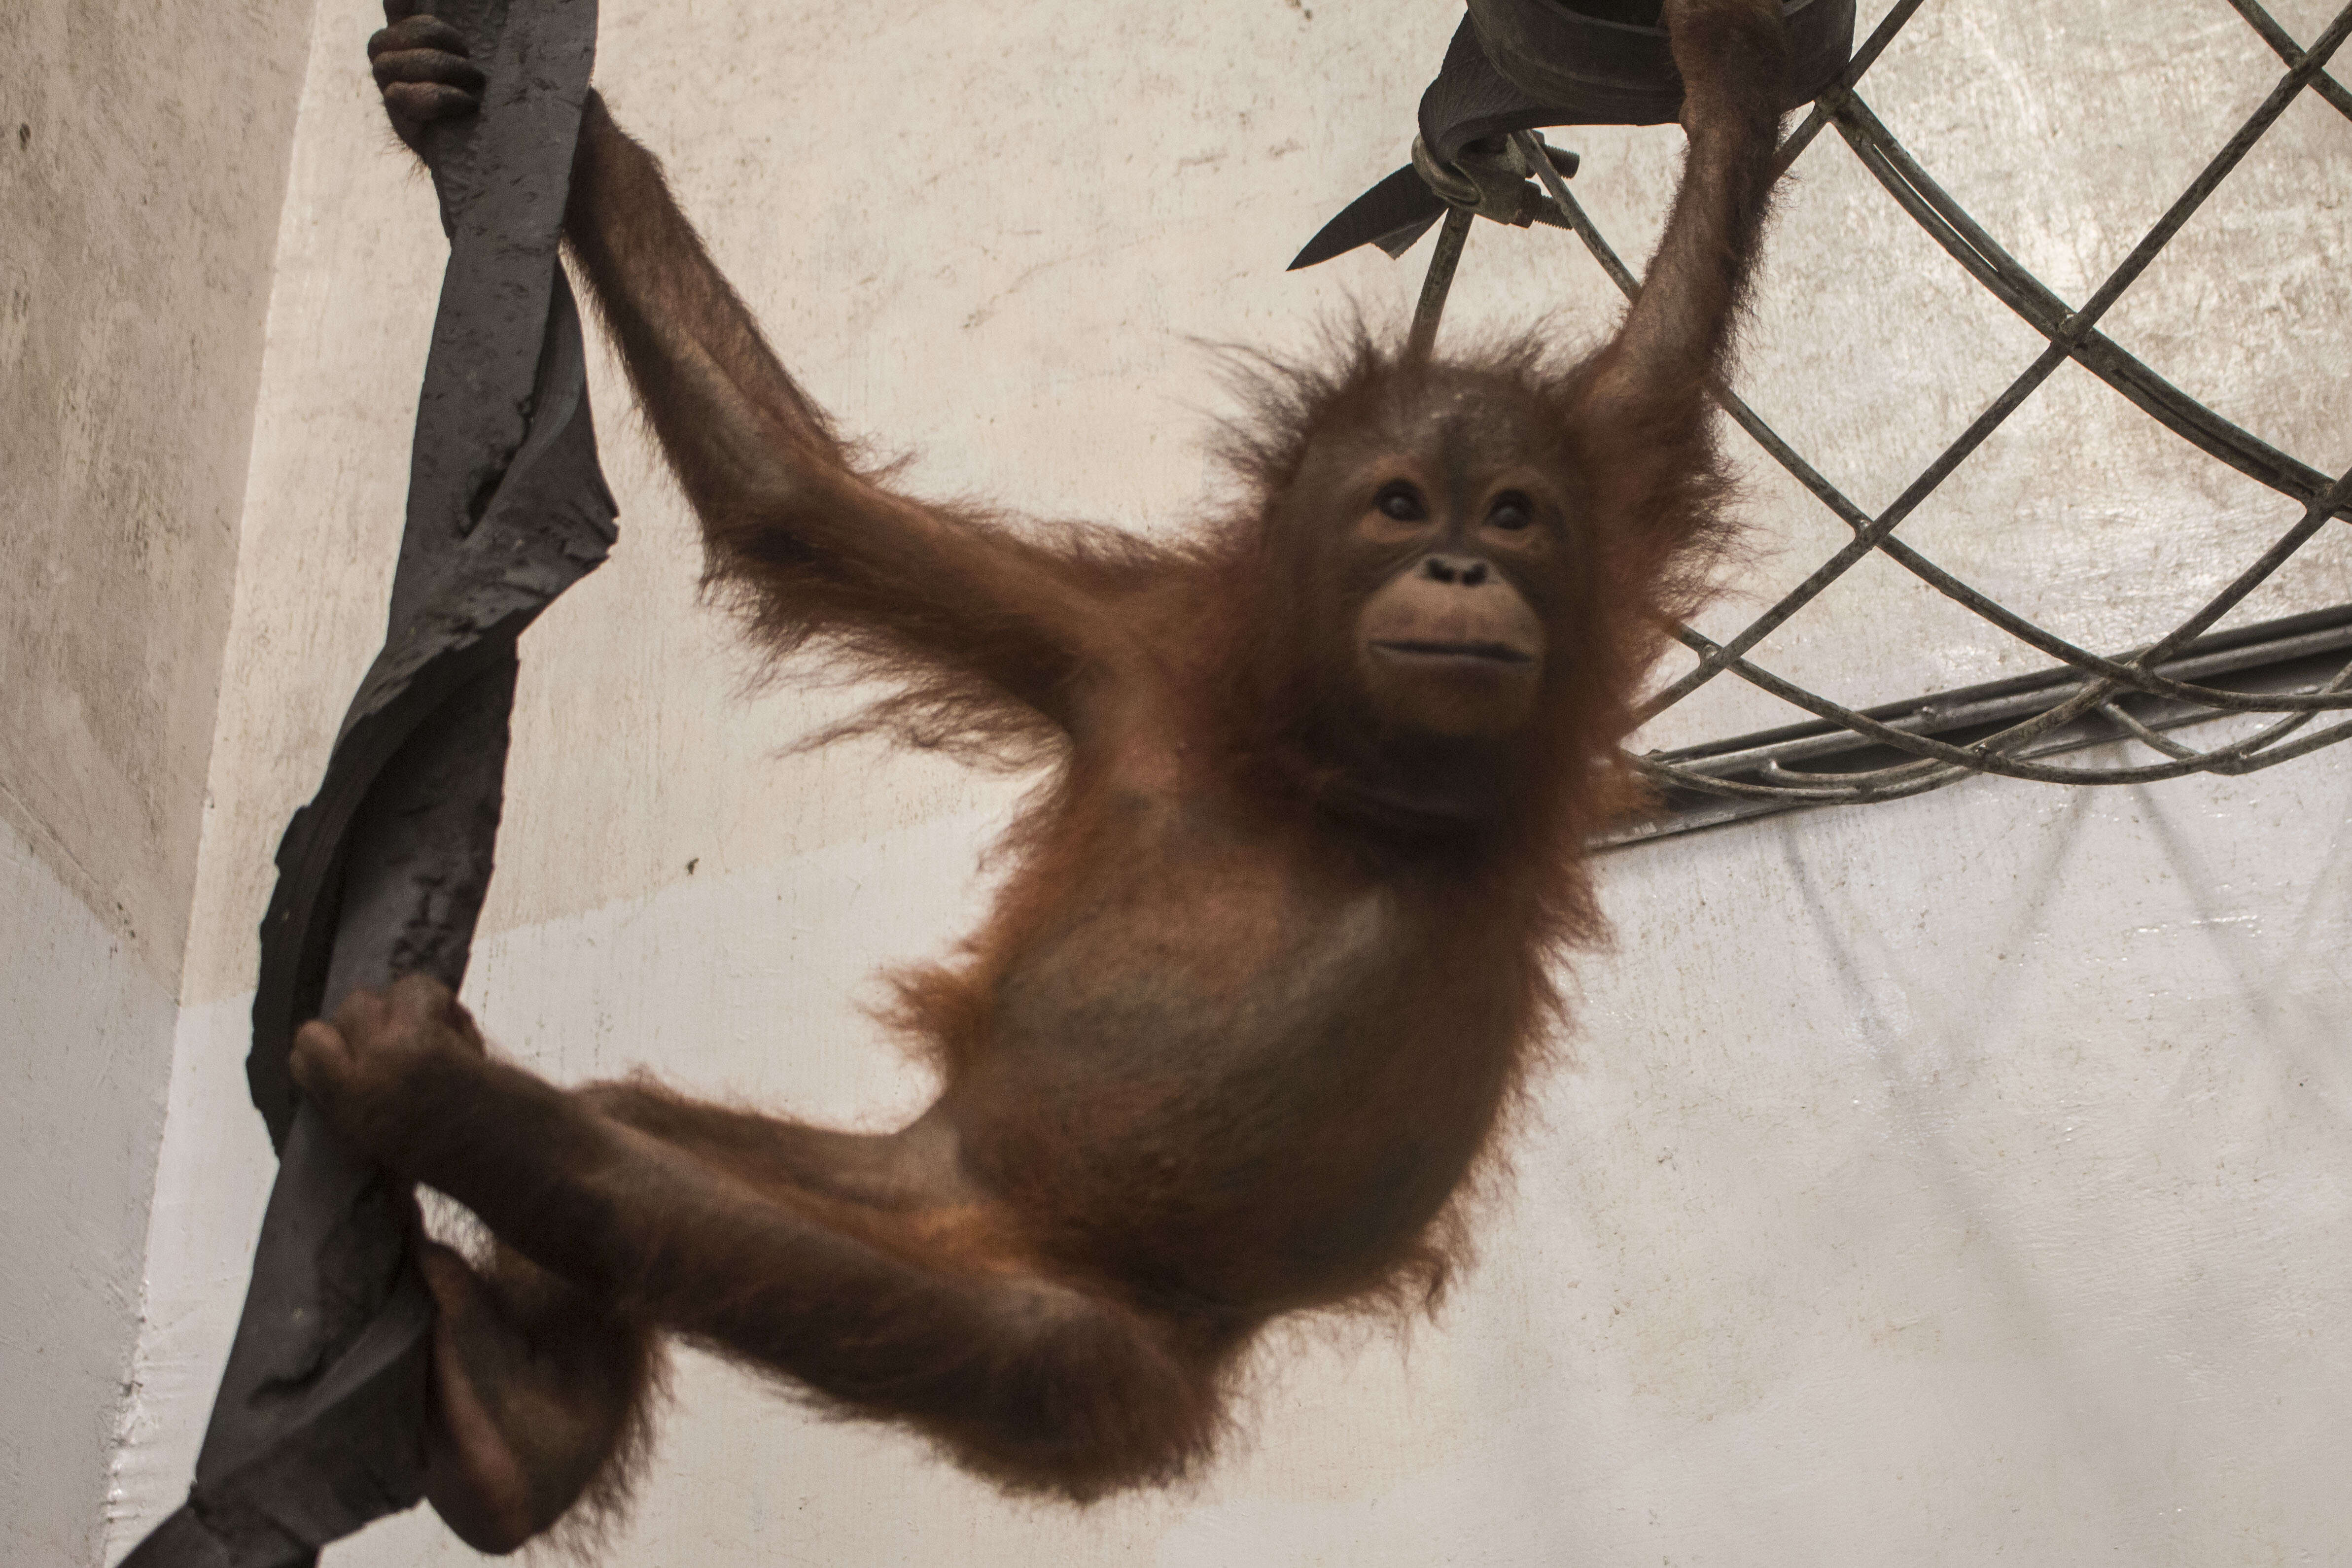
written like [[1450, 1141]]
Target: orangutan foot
[[524, 1419]]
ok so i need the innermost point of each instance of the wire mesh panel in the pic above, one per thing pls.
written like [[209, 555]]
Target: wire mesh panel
[[2295, 677]]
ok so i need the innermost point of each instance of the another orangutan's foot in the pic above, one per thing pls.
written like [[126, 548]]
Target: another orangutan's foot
[[518, 1430]]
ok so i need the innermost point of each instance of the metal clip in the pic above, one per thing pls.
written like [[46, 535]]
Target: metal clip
[[1490, 179]]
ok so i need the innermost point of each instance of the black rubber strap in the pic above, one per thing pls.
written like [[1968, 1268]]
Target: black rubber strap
[[319, 1424], [1523, 65]]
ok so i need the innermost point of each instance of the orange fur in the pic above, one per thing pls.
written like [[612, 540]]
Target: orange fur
[[1276, 950]]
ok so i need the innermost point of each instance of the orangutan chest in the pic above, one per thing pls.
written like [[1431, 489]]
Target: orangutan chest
[[1217, 1050], [1199, 980]]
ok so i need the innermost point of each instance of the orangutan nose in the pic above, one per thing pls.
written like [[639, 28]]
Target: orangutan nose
[[1467, 571]]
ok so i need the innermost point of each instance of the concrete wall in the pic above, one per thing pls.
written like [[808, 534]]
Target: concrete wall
[[1947, 1179], [142, 158], [85, 1043]]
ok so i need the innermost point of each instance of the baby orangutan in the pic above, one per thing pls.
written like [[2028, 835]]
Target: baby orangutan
[[1275, 947]]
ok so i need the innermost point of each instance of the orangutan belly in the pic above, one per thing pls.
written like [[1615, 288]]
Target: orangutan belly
[[1268, 1089]]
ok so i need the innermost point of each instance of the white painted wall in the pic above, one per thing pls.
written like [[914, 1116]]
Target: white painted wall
[[1949, 1179], [143, 159], [85, 1041]]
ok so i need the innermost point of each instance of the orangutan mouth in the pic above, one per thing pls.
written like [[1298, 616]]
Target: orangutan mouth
[[1496, 652]]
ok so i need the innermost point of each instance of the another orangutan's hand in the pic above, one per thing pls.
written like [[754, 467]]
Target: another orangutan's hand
[[377, 1070], [422, 66]]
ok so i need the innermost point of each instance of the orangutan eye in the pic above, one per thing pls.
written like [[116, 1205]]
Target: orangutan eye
[[1510, 510], [1401, 502]]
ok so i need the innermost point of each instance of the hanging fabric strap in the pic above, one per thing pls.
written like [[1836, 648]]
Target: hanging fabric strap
[[317, 1427], [1519, 65]]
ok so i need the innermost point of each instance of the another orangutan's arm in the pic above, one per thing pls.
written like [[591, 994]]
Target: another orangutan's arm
[[1648, 394]]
